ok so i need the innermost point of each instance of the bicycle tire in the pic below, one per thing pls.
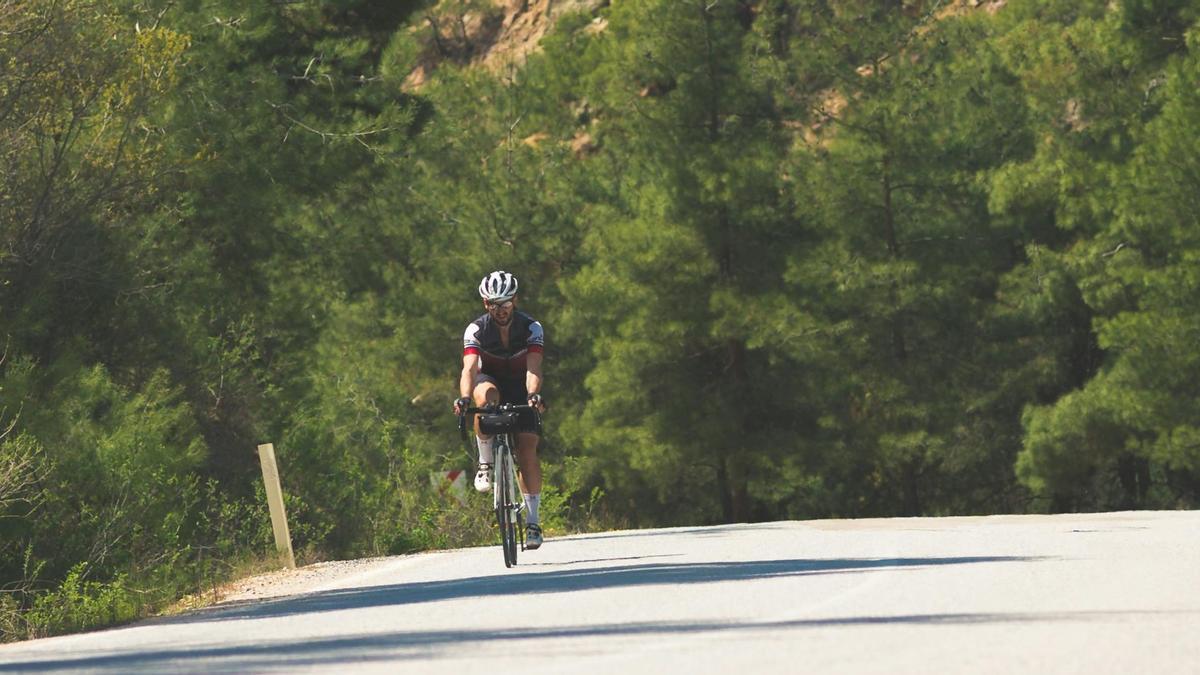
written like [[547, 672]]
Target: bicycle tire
[[520, 528], [504, 518], [499, 484], [518, 510], [512, 508]]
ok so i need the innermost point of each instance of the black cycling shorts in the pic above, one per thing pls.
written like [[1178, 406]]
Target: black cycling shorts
[[512, 390]]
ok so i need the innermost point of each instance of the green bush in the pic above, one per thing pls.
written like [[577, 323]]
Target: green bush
[[79, 605]]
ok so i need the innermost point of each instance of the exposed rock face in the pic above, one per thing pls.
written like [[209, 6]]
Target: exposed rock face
[[496, 35], [499, 34], [525, 23]]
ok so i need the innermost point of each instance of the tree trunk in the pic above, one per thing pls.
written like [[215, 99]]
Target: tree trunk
[[912, 487], [714, 92], [723, 490], [1134, 474], [899, 345], [739, 496]]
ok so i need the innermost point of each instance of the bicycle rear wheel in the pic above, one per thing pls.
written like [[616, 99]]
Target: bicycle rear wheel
[[520, 528], [518, 510]]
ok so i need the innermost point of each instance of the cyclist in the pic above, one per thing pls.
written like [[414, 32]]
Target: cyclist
[[502, 363]]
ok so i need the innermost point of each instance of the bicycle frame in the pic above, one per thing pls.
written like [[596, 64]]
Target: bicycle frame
[[507, 503]]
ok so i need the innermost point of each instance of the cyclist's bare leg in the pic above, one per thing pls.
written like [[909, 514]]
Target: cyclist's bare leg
[[486, 393], [531, 467], [531, 486]]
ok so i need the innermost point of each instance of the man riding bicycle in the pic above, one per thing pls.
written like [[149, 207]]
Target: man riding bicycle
[[502, 363]]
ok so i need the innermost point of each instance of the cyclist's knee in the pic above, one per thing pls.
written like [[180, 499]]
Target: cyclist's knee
[[485, 393]]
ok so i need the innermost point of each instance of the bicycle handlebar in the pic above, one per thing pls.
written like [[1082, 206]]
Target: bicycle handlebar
[[502, 408]]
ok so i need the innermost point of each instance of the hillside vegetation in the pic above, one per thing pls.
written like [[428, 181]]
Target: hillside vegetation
[[795, 259]]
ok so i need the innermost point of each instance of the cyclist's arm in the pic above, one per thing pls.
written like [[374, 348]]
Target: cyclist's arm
[[533, 359], [533, 372], [466, 381]]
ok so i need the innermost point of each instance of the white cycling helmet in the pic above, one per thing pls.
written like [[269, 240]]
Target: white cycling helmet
[[498, 286]]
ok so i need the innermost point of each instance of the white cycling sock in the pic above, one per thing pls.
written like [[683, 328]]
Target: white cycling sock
[[485, 450], [531, 507]]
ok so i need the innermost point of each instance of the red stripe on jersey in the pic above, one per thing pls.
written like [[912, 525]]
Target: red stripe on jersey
[[534, 349], [471, 350]]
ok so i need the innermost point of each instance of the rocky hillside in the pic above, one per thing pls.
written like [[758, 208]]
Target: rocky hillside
[[491, 33]]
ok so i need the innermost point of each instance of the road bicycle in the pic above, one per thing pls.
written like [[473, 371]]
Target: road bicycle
[[501, 422]]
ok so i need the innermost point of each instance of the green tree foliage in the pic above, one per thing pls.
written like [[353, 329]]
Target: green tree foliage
[[693, 236], [1127, 438], [78, 103]]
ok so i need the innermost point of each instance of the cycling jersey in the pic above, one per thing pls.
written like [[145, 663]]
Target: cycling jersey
[[482, 337]]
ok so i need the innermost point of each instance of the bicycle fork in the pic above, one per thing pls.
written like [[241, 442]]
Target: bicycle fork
[[506, 465]]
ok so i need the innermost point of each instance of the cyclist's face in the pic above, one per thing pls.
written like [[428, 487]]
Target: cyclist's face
[[501, 311]]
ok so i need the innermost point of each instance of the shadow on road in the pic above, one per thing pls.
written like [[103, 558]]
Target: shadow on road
[[564, 563], [705, 531], [413, 646], [514, 584], [562, 581]]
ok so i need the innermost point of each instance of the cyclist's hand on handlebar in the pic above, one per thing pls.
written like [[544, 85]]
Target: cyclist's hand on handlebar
[[538, 402], [462, 404]]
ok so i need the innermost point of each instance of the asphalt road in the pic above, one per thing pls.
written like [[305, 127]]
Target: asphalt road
[[1099, 593]]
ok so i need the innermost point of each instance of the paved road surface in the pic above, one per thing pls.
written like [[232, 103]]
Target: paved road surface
[[1106, 593]]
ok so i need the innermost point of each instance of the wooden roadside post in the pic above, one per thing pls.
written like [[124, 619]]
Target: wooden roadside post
[[283, 539]]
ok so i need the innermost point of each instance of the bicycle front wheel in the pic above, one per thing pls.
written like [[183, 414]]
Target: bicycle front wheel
[[505, 489]]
